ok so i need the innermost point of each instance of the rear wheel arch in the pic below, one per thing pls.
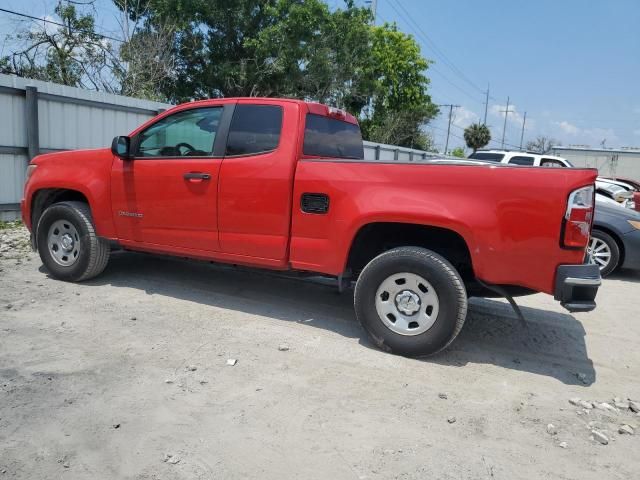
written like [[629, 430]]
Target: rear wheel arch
[[374, 238]]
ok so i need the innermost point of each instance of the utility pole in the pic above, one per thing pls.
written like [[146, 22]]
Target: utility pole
[[524, 121], [486, 105], [504, 128], [373, 6], [451, 107]]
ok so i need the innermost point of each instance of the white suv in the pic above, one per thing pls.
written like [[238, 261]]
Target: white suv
[[520, 158]]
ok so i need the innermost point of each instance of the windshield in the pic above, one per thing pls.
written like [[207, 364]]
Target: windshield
[[487, 156]]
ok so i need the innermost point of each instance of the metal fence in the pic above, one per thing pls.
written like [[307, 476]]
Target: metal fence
[[40, 117]]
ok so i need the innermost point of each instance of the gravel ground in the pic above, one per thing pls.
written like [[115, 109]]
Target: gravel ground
[[128, 376]]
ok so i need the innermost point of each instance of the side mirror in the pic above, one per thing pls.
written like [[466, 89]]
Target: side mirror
[[121, 147]]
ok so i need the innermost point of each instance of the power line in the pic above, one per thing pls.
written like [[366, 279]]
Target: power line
[[438, 51], [19, 14], [426, 39]]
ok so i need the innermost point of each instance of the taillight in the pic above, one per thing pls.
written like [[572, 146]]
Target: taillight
[[578, 218]]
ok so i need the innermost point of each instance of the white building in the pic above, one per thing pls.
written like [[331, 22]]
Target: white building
[[623, 162]]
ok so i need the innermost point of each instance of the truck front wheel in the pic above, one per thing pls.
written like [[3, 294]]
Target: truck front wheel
[[68, 244], [411, 301]]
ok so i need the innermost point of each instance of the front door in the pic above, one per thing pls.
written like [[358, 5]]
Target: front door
[[167, 194]]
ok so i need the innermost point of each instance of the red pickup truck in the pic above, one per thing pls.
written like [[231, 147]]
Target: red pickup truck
[[283, 184]]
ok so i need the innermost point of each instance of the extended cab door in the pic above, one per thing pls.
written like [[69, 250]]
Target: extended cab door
[[256, 179], [167, 194]]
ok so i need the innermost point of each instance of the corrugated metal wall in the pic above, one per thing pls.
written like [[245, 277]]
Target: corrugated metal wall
[[67, 118], [610, 163]]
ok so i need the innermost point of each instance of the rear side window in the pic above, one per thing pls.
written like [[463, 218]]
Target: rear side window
[[487, 156], [520, 160], [254, 129], [551, 162], [328, 137]]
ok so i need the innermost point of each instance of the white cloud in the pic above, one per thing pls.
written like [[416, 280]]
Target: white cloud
[[463, 117], [514, 117], [568, 128], [588, 136]]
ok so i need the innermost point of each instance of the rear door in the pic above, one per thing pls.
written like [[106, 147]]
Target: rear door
[[167, 194], [256, 179]]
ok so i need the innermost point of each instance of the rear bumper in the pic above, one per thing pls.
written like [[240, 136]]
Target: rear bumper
[[576, 287]]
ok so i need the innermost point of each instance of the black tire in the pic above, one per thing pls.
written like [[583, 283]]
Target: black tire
[[614, 261], [444, 279], [93, 252]]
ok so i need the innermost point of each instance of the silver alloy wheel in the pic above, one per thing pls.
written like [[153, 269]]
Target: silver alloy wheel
[[407, 304], [599, 252], [63, 241]]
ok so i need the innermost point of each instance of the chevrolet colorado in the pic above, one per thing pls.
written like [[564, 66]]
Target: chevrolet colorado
[[283, 184]]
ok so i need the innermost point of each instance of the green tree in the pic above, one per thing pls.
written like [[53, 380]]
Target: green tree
[[400, 104], [458, 152], [301, 49], [477, 136]]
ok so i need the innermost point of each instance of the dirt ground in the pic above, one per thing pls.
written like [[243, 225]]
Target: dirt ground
[[126, 376]]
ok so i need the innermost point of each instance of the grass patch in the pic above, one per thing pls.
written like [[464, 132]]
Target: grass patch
[[10, 225]]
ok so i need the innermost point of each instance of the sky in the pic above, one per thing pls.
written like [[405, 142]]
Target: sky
[[572, 65]]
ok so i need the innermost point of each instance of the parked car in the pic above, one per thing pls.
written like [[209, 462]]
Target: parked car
[[631, 185], [615, 239], [514, 157], [283, 184], [616, 191]]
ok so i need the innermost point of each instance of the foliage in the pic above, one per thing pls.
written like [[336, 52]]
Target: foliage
[[179, 50], [4, 225], [542, 144], [477, 136], [400, 103], [458, 152]]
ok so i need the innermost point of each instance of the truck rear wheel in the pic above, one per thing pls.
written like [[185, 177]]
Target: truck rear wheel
[[411, 301], [68, 244]]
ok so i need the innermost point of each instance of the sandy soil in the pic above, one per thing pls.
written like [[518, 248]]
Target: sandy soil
[[126, 376]]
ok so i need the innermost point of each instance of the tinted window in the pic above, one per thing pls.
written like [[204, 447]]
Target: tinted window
[[328, 137], [254, 129], [489, 157], [521, 160], [189, 133]]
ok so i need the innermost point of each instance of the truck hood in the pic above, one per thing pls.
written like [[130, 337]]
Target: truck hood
[[73, 155]]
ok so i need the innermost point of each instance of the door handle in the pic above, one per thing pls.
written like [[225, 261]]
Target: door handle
[[196, 176]]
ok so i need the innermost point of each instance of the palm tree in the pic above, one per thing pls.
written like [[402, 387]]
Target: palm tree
[[477, 136]]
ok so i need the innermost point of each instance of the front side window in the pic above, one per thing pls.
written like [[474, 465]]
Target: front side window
[[520, 160], [254, 129], [189, 133], [328, 137], [487, 156]]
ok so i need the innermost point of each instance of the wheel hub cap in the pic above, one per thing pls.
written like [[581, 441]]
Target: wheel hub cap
[[67, 242], [408, 302], [63, 241]]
